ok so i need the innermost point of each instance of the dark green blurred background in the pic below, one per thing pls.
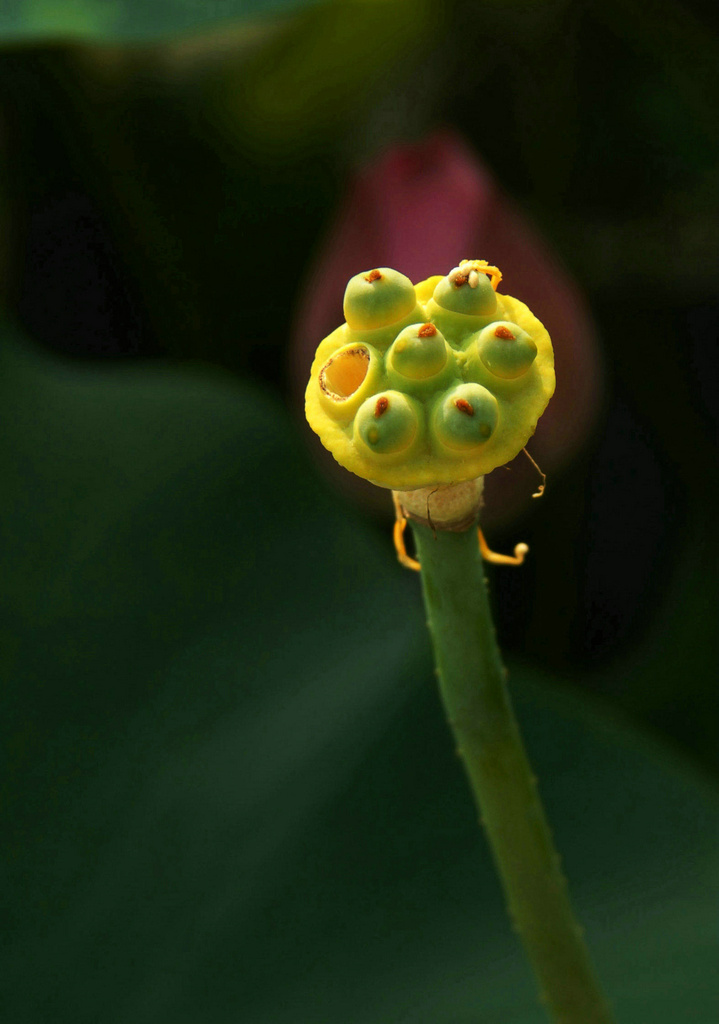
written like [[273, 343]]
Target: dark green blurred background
[[228, 793]]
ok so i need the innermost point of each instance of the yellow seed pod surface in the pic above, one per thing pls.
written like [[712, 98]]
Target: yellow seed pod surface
[[461, 416]]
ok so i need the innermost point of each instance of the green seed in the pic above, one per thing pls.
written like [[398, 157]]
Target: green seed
[[418, 352], [506, 350], [377, 298], [467, 293], [386, 423], [465, 417]]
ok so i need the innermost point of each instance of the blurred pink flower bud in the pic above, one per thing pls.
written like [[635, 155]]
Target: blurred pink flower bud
[[420, 208]]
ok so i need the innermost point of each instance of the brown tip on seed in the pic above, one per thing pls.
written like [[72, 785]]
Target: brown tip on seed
[[427, 331], [464, 406], [374, 275], [504, 332], [460, 279], [381, 407]]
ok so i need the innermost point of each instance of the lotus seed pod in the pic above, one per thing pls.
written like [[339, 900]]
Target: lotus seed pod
[[465, 418], [386, 423], [506, 350], [437, 399], [418, 352], [467, 291], [378, 298]]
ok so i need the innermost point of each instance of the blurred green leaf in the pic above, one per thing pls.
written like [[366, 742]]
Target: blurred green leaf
[[132, 21], [129, 20], [229, 794]]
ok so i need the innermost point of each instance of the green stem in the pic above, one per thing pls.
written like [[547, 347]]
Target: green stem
[[473, 689]]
